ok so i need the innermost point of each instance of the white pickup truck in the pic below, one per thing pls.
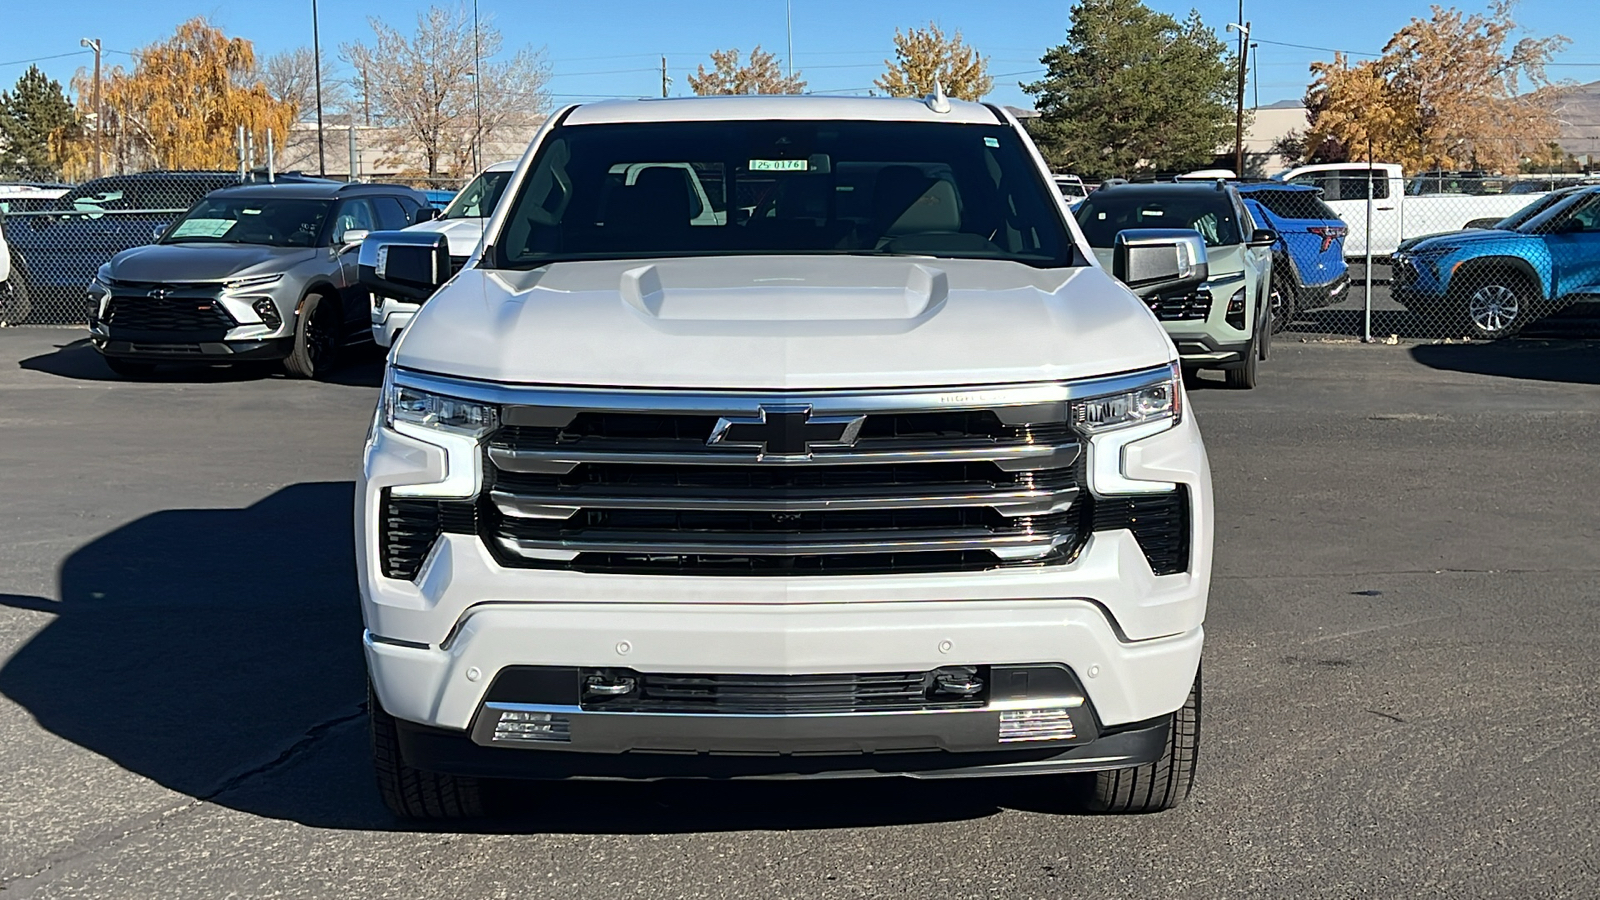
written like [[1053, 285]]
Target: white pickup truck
[[843, 458], [1395, 215]]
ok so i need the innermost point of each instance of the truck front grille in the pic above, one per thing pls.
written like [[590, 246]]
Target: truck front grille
[[909, 490], [182, 311], [1186, 306], [788, 694]]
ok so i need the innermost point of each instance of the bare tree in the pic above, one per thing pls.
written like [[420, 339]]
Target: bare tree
[[421, 87], [291, 77], [760, 76]]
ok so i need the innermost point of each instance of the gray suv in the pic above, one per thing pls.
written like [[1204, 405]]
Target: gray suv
[[258, 272]]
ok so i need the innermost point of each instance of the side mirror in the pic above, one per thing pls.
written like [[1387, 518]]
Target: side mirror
[[157, 232], [352, 239], [1485, 222], [1263, 237], [1151, 260], [425, 214], [405, 265]]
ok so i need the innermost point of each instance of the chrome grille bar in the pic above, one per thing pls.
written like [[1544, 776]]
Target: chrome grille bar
[[673, 543], [1009, 457], [1008, 503]]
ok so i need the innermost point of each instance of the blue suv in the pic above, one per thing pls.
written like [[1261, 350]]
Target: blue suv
[[1494, 281], [1308, 267]]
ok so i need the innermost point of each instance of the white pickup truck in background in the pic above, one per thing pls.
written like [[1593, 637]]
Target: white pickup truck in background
[[1396, 215]]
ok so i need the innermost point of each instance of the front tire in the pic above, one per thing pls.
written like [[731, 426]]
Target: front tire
[[1282, 303], [1243, 377], [414, 793], [1159, 785], [316, 338], [1496, 306]]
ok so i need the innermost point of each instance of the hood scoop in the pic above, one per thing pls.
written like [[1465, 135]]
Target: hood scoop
[[677, 293]]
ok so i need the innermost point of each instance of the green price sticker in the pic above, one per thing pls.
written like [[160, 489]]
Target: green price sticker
[[779, 165]]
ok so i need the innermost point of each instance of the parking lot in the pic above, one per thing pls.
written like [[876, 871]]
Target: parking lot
[[1399, 671]]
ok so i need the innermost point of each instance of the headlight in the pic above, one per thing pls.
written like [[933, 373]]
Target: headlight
[[1158, 400], [252, 281], [403, 404]]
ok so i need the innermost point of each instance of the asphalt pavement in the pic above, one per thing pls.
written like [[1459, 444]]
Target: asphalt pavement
[[1400, 690]]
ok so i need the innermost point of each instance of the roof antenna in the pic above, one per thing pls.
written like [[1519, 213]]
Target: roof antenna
[[937, 101]]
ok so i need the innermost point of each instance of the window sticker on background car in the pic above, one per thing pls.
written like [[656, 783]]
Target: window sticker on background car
[[991, 142], [207, 228], [779, 165]]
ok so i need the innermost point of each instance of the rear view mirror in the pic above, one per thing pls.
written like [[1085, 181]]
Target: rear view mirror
[[425, 214], [405, 265], [1151, 260]]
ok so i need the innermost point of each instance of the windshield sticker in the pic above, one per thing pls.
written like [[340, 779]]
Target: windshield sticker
[[207, 228], [991, 142], [779, 165]]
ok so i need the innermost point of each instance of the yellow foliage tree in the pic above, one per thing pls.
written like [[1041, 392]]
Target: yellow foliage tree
[[760, 76], [1447, 93], [923, 55], [181, 106]]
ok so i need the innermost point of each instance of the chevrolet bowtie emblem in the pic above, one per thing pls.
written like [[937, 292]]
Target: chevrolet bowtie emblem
[[786, 431], [158, 294]]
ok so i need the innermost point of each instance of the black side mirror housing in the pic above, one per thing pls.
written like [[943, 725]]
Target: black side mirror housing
[[1263, 237], [405, 265], [425, 214], [1155, 260]]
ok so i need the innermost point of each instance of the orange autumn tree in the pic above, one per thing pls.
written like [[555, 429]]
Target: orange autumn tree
[[1451, 91], [181, 106]]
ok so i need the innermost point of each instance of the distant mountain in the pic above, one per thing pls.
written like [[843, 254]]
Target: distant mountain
[[1284, 104], [1579, 111]]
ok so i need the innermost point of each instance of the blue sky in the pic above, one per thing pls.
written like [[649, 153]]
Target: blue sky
[[614, 47]]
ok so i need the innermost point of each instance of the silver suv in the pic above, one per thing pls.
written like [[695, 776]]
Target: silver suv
[[259, 272]]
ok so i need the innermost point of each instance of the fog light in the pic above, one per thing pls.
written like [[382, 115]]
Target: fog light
[[1045, 724], [1235, 314], [524, 727], [268, 311]]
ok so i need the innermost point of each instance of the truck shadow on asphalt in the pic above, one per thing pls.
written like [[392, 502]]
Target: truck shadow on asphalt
[[217, 653], [363, 367], [1531, 358]]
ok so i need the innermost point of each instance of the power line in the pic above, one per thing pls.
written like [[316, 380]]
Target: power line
[[23, 62]]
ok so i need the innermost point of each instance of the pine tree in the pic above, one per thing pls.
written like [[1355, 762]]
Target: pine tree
[[1133, 89], [30, 114]]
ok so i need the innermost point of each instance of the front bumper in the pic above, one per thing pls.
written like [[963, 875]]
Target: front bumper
[[182, 348], [1200, 350], [440, 750], [390, 317]]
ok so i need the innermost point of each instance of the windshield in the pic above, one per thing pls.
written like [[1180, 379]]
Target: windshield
[[1526, 213], [251, 220], [477, 200], [784, 187], [1206, 211]]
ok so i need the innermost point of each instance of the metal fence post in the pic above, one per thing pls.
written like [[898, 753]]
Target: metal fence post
[[1366, 330]]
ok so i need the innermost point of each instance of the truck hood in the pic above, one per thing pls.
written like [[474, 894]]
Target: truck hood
[[205, 262], [461, 236], [783, 323]]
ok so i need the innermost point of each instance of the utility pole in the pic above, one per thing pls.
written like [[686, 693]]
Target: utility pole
[[316, 68], [664, 79], [99, 114], [788, 12], [1238, 121], [477, 92]]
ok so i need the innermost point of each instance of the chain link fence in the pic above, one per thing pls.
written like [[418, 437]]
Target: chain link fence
[[55, 241], [1446, 255]]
